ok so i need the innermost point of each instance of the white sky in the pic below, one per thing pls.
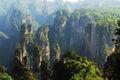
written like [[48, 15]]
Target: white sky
[[67, 0], [71, 0]]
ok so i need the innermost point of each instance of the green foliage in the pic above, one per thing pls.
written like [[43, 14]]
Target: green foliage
[[3, 74], [71, 54], [74, 67], [117, 30], [3, 35]]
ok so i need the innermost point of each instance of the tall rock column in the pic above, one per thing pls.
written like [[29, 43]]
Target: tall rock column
[[44, 59], [21, 54], [43, 41], [22, 62]]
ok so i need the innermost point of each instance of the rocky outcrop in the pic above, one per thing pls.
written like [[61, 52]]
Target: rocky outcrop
[[55, 55], [21, 54], [22, 61], [43, 41], [26, 34], [37, 59], [21, 57]]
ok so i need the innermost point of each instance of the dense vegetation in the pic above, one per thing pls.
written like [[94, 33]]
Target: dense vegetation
[[74, 67], [35, 36], [3, 74]]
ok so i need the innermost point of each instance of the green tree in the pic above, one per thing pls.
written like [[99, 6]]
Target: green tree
[[3, 74], [74, 67]]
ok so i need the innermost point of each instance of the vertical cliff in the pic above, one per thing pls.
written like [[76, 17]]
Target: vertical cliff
[[93, 40], [43, 41], [86, 34], [21, 53], [21, 57], [111, 69], [22, 61]]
